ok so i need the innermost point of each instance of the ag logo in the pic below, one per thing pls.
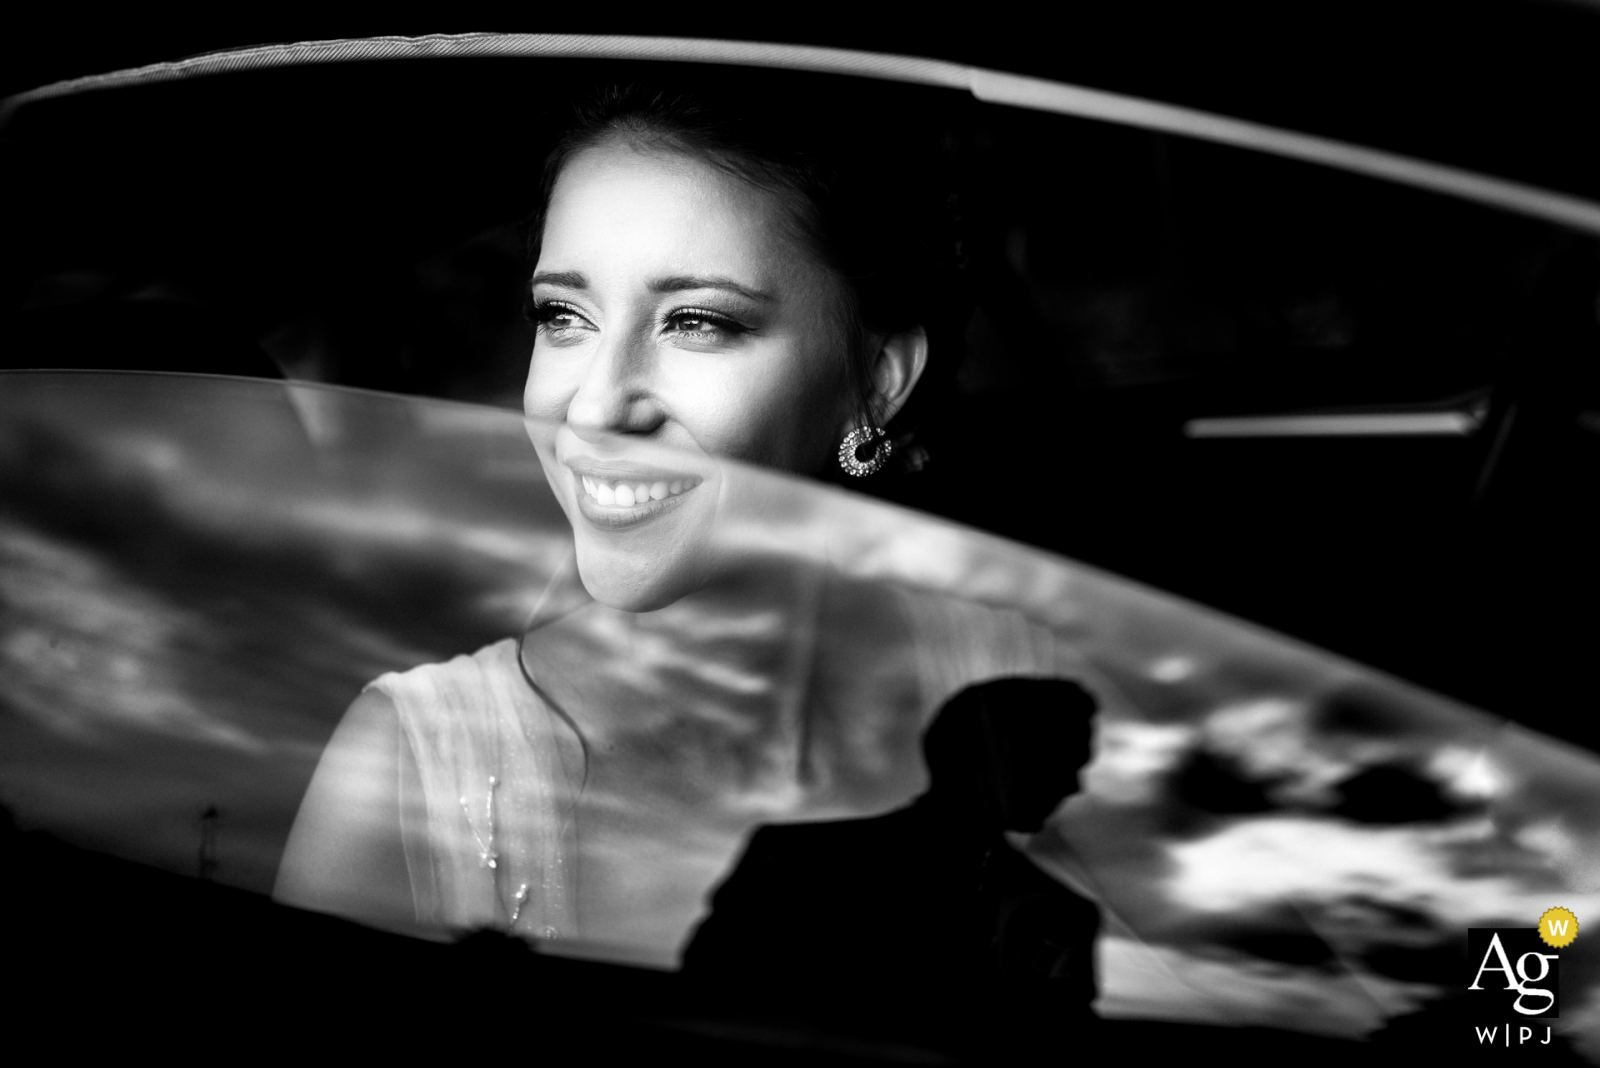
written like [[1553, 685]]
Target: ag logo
[[1516, 979], [1514, 974]]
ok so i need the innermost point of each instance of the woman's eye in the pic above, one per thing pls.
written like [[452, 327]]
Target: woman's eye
[[549, 315], [702, 324]]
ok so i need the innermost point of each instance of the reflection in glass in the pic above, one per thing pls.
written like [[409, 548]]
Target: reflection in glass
[[927, 912], [194, 592]]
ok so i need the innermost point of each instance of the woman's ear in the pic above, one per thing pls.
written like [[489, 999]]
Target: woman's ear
[[896, 367]]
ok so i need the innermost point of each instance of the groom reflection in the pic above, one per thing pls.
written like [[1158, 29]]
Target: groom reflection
[[925, 921]]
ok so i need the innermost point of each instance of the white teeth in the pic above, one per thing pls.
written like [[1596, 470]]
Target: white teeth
[[625, 495]]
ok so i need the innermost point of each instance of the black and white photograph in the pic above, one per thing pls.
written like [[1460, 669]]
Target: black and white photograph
[[1015, 536]]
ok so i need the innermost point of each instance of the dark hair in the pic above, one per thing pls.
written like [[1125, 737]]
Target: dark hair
[[871, 195], [1046, 717]]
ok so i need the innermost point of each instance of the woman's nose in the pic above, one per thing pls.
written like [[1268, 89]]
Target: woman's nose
[[614, 395]]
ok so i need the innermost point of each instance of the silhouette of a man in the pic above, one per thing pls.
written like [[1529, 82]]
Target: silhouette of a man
[[925, 920]]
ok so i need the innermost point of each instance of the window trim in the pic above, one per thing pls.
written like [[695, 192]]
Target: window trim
[[989, 86]]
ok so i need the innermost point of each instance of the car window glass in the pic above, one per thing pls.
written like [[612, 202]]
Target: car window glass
[[1290, 469]]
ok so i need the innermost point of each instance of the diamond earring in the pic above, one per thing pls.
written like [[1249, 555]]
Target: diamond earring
[[869, 439]]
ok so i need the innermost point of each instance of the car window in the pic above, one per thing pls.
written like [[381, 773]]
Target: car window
[[1151, 311], [1289, 468], [274, 548]]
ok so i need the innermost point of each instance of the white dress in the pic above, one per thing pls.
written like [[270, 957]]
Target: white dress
[[502, 775], [498, 790]]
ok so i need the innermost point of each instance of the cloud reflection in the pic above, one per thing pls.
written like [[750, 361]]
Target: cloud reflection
[[198, 577]]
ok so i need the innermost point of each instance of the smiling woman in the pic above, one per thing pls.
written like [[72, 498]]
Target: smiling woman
[[600, 631], [692, 291], [679, 312], [713, 287]]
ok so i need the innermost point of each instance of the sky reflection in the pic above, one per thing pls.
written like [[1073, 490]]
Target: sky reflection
[[199, 574]]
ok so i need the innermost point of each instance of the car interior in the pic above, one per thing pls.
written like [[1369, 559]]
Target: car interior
[[1359, 414]]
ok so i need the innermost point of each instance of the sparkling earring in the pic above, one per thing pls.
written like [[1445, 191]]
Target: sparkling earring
[[869, 439]]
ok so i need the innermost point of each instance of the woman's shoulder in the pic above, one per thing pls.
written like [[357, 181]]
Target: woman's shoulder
[[494, 655], [450, 707], [430, 682]]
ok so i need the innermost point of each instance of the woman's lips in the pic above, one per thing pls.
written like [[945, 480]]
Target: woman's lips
[[612, 500]]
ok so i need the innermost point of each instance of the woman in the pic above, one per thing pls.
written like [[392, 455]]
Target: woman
[[709, 290]]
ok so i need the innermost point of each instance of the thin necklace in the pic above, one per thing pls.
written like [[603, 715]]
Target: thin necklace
[[489, 857]]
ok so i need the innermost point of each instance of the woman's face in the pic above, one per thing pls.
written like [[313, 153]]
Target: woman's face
[[678, 321]]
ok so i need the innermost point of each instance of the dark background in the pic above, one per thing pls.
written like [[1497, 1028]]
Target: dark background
[[1500, 85]]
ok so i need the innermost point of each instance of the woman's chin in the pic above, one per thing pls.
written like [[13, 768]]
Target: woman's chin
[[629, 600], [633, 589]]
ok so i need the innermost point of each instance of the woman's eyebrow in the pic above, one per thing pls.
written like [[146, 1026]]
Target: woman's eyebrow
[[568, 279], [679, 282]]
